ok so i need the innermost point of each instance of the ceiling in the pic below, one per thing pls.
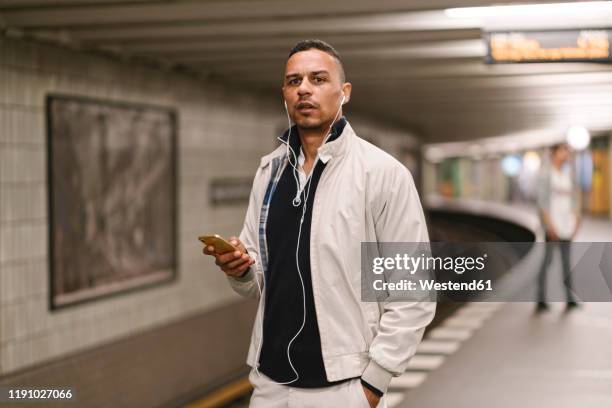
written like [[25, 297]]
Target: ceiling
[[410, 64]]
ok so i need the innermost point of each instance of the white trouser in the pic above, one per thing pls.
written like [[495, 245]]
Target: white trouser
[[268, 394]]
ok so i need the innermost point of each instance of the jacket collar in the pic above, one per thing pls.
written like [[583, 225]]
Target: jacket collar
[[335, 146]]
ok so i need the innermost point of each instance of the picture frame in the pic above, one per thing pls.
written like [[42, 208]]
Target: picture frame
[[112, 198]]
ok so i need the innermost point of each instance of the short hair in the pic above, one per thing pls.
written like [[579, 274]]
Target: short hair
[[320, 45], [557, 146]]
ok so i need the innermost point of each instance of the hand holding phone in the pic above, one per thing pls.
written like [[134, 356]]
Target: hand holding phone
[[231, 255]]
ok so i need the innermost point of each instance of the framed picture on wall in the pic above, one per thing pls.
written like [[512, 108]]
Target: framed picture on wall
[[112, 197]]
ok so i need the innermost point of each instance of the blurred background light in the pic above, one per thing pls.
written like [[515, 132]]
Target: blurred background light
[[578, 137], [511, 165], [532, 161]]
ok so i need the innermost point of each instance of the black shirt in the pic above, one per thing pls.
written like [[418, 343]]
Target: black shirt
[[284, 303]]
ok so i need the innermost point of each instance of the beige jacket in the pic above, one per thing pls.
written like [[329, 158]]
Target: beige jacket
[[364, 194]]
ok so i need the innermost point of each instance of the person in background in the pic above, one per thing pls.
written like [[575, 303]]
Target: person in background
[[560, 213]]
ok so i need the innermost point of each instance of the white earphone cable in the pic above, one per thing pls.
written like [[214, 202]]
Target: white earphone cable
[[296, 202]]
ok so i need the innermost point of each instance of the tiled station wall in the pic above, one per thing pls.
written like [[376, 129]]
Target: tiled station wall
[[221, 133]]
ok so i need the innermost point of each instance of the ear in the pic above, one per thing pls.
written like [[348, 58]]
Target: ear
[[346, 90]]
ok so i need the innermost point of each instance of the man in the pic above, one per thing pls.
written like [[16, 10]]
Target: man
[[314, 200], [559, 205]]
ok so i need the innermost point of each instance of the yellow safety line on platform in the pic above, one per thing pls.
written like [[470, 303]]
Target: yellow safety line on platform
[[224, 395]]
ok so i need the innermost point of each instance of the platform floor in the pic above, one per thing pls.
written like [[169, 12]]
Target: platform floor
[[508, 356], [521, 359]]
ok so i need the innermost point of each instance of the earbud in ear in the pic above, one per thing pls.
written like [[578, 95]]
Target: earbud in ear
[[342, 101], [285, 101]]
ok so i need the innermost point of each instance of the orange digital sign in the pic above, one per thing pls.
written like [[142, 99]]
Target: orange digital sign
[[549, 46]]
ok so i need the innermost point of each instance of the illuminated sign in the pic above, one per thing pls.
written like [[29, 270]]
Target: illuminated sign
[[549, 46]]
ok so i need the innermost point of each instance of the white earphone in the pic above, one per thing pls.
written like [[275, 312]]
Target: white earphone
[[296, 203]]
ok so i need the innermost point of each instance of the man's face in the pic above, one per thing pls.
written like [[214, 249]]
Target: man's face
[[312, 88], [563, 153]]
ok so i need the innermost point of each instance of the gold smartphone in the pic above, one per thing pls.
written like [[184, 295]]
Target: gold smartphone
[[219, 243]]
